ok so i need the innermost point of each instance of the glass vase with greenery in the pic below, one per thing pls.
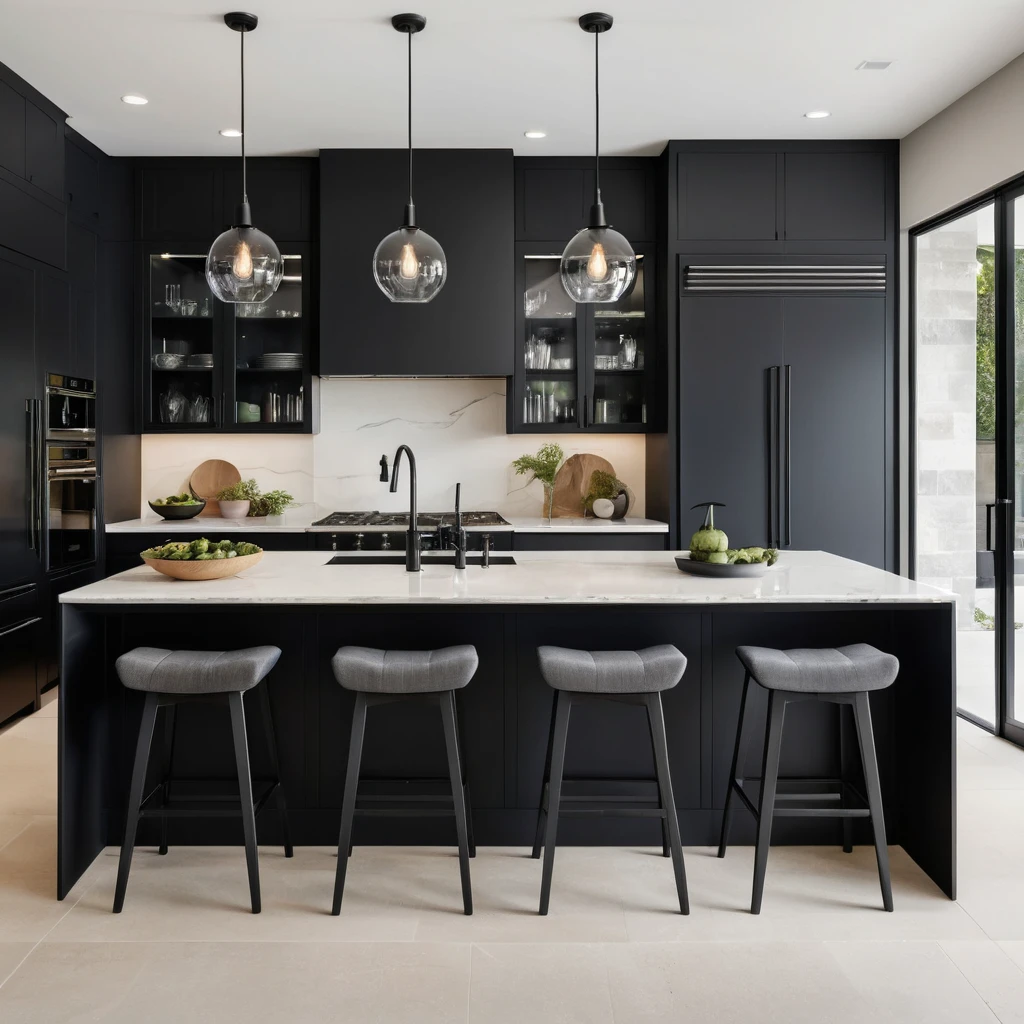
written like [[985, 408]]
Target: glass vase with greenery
[[544, 467]]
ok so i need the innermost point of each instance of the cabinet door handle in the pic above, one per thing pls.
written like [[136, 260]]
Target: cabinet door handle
[[788, 453], [586, 413], [772, 411], [19, 626]]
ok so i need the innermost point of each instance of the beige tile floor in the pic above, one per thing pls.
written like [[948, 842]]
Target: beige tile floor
[[612, 950]]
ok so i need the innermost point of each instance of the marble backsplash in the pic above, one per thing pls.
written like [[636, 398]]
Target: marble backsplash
[[455, 426]]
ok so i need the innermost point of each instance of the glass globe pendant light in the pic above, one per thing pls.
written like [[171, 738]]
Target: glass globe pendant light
[[243, 264], [409, 265], [598, 264]]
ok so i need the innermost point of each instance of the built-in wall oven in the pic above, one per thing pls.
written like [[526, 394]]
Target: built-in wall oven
[[68, 478]]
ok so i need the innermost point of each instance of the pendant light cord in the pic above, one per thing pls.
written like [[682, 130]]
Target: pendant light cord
[[245, 191], [410, 117], [597, 117]]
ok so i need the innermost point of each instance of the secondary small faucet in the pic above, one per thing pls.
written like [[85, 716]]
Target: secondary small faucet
[[412, 541]]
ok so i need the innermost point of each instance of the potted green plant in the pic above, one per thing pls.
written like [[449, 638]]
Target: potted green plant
[[544, 467], [236, 499], [606, 487]]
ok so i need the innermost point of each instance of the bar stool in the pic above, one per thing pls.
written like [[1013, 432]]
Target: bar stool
[[384, 677], [169, 678], [628, 677], [842, 675]]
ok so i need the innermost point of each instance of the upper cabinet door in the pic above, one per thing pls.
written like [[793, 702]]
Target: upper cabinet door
[[279, 192], [835, 196], [12, 135], [464, 199], [628, 196], [727, 196], [44, 151], [82, 185], [180, 201], [551, 203]]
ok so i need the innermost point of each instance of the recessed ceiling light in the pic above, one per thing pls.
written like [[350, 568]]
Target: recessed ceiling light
[[134, 100], [872, 65], [536, 135], [230, 133], [814, 114]]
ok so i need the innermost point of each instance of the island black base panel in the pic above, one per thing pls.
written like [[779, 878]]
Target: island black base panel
[[504, 717]]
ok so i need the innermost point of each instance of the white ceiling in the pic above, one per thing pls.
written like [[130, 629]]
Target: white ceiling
[[331, 73]]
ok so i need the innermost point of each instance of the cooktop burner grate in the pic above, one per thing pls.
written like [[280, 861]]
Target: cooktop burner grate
[[400, 520]]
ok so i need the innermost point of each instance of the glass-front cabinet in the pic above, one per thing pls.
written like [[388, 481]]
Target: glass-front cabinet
[[579, 367], [214, 366]]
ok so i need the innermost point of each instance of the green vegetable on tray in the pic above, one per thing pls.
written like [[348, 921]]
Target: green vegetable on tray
[[711, 545], [201, 550], [177, 499]]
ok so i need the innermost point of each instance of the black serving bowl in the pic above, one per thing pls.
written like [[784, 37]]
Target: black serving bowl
[[179, 511]]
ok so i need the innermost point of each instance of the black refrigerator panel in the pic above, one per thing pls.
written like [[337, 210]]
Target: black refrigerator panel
[[20, 423], [731, 349], [836, 499], [19, 646]]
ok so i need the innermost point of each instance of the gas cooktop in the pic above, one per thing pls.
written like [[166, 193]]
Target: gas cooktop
[[400, 520]]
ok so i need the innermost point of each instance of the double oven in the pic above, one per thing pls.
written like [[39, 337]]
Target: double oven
[[65, 480]]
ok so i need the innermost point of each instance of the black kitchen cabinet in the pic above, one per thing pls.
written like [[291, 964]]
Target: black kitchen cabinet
[[82, 284], [44, 150], [835, 196], [19, 661], [12, 137], [31, 225], [727, 196], [580, 367], [211, 366], [281, 193], [464, 199], [53, 324], [554, 195], [81, 184], [178, 198], [784, 419], [588, 540]]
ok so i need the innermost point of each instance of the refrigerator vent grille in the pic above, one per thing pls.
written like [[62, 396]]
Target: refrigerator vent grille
[[863, 277]]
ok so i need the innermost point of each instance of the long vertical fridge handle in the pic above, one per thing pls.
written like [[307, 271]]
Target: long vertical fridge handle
[[788, 453], [773, 448], [34, 467]]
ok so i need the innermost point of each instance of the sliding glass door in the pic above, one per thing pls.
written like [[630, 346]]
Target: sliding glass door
[[955, 432], [967, 519]]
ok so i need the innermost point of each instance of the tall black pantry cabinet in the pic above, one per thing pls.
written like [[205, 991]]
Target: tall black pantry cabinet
[[781, 272]]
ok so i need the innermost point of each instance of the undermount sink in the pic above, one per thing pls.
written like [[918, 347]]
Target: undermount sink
[[429, 558]]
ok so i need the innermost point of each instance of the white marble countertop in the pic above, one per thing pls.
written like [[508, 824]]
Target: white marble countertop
[[300, 520], [537, 578]]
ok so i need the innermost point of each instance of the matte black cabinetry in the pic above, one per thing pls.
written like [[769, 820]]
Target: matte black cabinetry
[[12, 138], [178, 198], [727, 196], [44, 150], [464, 199]]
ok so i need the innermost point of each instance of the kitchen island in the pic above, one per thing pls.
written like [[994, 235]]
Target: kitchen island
[[597, 600]]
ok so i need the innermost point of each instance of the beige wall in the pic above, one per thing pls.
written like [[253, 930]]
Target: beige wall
[[973, 145]]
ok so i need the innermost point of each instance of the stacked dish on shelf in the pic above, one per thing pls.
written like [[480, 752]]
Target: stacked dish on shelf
[[276, 361]]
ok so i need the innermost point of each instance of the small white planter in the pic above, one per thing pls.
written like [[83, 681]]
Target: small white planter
[[234, 509]]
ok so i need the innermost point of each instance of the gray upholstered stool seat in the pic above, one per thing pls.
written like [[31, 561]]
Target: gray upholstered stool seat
[[647, 671], [370, 670], [157, 670], [854, 669]]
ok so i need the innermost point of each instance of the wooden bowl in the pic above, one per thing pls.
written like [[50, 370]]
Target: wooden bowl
[[207, 569]]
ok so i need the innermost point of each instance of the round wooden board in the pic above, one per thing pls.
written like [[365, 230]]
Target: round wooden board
[[572, 482], [208, 569], [208, 479]]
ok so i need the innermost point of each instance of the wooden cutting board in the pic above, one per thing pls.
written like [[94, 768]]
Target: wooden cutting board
[[572, 483], [208, 479]]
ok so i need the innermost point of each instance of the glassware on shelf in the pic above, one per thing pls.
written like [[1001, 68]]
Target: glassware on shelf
[[172, 297], [188, 307], [607, 410], [199, 410], [204, 307], [627, 352], [534, 301], [538, 354], [606, 361], [173, 406]]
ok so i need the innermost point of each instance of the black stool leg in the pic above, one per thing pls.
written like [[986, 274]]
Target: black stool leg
[[131, 823], [769, 781], [739, 759], [451, 739], [170, 725], [866, 741], [465, 786], [275, 766], [538, 837], [843, 792], [656, 716], [563, 704], [245, 795], [348, 803]]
